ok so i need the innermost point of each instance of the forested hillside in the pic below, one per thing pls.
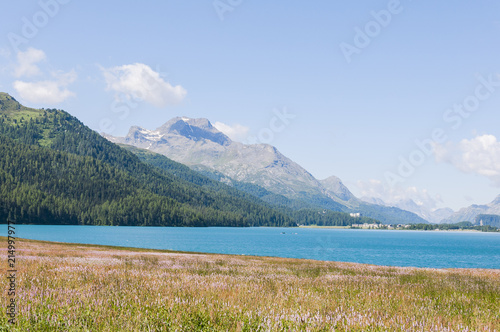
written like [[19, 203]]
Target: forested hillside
[[53, 169], [488, 219], [214, 180]]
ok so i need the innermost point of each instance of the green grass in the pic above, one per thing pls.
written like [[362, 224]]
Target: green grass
[[10, 106]]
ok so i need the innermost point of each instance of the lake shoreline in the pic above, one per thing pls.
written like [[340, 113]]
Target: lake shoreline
[[249, 227], [418, 249], [167, 251]]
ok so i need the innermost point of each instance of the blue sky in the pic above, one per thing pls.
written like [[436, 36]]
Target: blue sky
[[363, 81]]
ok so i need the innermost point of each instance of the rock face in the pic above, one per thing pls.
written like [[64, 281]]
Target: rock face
[[470, 213], [196, 143]]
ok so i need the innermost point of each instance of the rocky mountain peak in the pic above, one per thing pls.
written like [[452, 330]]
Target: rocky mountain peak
[[137, 133], [193, 129], [179, 122]]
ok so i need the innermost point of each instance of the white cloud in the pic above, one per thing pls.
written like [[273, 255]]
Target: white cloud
[[395, 195], [65, 78], [27, 62], [49, 91], [139, 81], [235, 132], [480, 155], [46, 91]]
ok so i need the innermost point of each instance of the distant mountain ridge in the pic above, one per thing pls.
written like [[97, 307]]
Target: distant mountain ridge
[[199, 145], [435, 216], [470, 213]]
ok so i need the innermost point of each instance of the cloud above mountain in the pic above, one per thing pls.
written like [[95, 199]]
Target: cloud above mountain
[[27, 62], [51, 89], [235, 132], [140, 82], [394, 195], [48, 92], [480, 155]]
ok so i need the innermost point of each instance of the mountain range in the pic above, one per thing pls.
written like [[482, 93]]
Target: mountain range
[[199, 145]]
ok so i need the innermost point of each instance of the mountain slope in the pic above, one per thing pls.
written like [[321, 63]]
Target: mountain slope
[[196, 143], [298, 211], [335, 189], [187, 174]]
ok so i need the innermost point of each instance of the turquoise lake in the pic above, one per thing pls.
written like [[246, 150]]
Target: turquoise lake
[[392, 248]]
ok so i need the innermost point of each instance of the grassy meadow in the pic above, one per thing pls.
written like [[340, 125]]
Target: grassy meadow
[[66, 287]]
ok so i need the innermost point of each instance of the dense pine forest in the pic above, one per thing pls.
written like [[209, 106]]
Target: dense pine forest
[[55, 170]]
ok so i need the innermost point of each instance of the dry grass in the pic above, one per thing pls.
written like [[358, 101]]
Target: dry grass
[[91, 288]]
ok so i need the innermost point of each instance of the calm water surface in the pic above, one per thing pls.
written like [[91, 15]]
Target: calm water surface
[[393, 248]]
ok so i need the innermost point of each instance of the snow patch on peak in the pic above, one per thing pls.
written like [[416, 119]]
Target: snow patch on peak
[[145, 134]]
